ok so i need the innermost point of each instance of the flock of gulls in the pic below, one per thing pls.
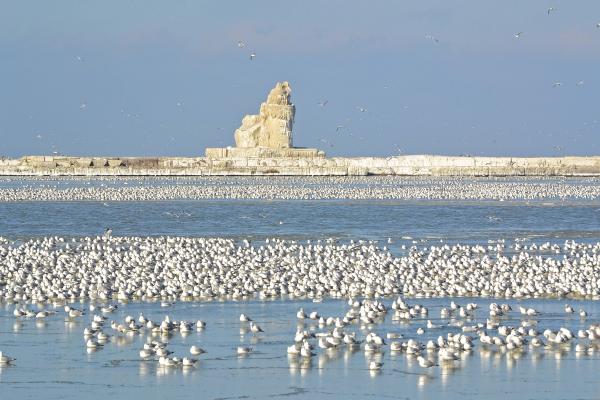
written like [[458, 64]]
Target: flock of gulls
[[298, 188], [102, 268], [56, 272], [455, 334], [45, 277]]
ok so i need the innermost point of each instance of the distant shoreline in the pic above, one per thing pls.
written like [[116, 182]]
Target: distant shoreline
[[409, 165]]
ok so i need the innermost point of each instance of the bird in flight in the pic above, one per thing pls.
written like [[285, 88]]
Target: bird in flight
[[431, 37], [252, 55], [580, 83], [339, 128], [551, 9], [518, 34], [241, 44], [83, 106], [79, 58], [557, 84], [323, 103], [598, 25], [327, 142], [361, 109]]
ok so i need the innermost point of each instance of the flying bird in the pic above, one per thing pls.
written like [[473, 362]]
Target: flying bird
[[327, 142], [361, 109], [241, 44], [252, 55], [551, 9], [339, 128], [518, 34], [557, 84], [430, 37], [79, 58], [323, 103], [83, 106], [580, 83]]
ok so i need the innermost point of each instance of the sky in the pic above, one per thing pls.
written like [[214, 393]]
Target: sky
[[168, 78]]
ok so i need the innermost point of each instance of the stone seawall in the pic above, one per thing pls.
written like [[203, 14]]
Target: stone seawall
[[414, 165]]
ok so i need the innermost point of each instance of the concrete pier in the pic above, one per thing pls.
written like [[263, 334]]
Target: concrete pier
[[411, 165]]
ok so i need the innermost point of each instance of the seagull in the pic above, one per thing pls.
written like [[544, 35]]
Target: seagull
[[245, 318], [305, 352], [518, 34], [5, 360], [188, 362], [323, 103], [252, 55], [551, 9], [430, 37], [107, 233], [43, 314], [598, 25], [109, 309], [241, 44], [146, 353], [79, 58], [92, 344], [557, 84], [293, 350], [425, 363], [200, 324], [374, 365], [361, 109], [38, 136], [339, 128], [196, 350], [569, 309], [73, 312], [255, 328], [243, 350], [580, 83], [83, 106], [162, 352]]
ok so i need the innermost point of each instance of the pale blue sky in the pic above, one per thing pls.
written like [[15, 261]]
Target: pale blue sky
[[167, 78]]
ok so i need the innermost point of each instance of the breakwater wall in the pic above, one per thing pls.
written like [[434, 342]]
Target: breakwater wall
[[410, 165]]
